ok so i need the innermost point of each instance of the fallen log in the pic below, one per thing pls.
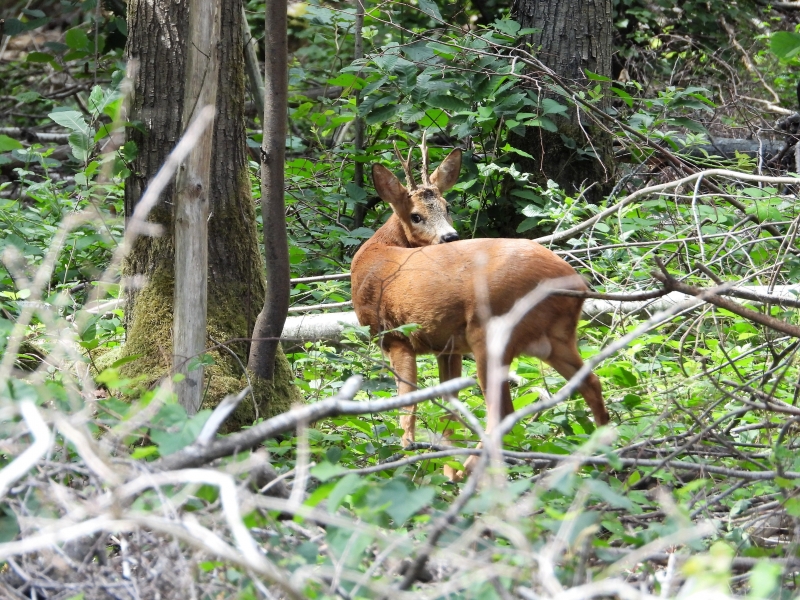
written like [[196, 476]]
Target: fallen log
[[330, 326]]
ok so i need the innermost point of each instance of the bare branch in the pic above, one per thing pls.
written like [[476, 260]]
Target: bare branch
[[42, 440], [341, 404]]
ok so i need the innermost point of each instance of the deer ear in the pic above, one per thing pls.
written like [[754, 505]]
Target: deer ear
[[389, 187], [446, 174]]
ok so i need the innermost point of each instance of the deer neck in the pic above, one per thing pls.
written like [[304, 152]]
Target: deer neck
[[391, 234]]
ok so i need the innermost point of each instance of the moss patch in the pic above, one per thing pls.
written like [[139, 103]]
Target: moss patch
[[150, 338]]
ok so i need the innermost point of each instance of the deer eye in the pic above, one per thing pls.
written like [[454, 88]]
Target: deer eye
[[415, 218]]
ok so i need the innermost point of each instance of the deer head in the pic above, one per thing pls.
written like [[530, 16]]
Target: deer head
[[421, 209]]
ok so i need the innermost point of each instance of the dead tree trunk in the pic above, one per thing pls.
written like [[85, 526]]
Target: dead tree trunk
[[191, 207]]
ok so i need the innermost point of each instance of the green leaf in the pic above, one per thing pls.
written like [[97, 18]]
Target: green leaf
[[14, 26], [77, 39], [144, 452], [347, 80], [510, 148], [429, 8], [325, 470], [527, 224], [171, 430], [764, 578], [614, 527], [9, 526], [96, 100], [81, 145], [446, 52], [785, 44], [356, 192], [507, 26], [434, 118], [198, 361], [542, 122], [39, 57], [551, 107], [626, 97], [446, 102], [793, 507], [122, 25], [344, 487], [596, 76], [7, 143], [402, 502], [381, 114], [528, 195], [71, 119], [603, 491], [688, 124]]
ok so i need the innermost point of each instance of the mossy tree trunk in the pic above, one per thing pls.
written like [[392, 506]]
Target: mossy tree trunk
[[236, 276], [572, 36]]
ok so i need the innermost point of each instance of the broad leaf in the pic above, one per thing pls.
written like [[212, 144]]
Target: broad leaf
[[71, 119]]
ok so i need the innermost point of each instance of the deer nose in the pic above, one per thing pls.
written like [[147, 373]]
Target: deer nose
[[449, 237]]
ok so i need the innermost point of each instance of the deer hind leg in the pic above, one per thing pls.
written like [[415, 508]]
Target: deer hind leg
[[450, 367], [565, 359], [404, 364], [495, 414]]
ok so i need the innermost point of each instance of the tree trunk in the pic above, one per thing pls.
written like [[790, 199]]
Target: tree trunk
[[269, 324], [235, 274], [572, 36], [190, 294]]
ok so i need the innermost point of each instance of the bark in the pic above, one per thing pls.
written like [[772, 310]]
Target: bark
[[157, 39], [191, 205], [572, 36], [360, 210], [267, 331]]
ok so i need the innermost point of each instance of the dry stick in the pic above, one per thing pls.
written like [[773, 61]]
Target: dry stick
[[230, 508], [679, 537], [341, 404], [498, 334], [597, 116], [189, 531], [84, 445], [251, 65], [658, 464], [42, 440], [219, 416], [36, 288], [748, 64], [712, 298], [572, 231]]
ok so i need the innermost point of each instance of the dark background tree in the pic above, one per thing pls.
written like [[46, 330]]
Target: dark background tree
[[570, 37]]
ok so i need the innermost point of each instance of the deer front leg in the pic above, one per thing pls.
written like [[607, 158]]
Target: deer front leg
[[404, 364]]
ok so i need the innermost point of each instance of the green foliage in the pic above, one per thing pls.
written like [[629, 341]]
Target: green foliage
[[785, 44]]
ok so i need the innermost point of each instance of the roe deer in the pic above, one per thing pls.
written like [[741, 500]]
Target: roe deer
[[414, 271]]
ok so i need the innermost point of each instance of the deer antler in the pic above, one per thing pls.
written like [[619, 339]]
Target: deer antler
[[406, 166], [425, 179]]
